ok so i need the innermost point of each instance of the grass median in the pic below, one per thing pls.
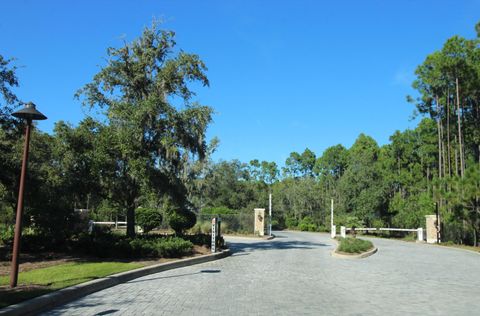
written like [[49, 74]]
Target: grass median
[[351, 245], [41, 281]]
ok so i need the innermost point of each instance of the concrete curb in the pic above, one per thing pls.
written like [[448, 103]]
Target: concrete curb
[[356, 256], [51, 300], [266, 237]]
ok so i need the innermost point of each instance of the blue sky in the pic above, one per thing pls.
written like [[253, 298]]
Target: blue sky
[[285, 75]]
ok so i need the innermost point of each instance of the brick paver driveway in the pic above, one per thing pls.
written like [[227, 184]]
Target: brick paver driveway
[[295, 274]]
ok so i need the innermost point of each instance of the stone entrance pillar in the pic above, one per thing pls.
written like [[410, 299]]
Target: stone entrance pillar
[[431, 228], [259, 222]]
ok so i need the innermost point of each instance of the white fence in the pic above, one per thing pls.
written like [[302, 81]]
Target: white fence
[[92, 224], [419, 231]]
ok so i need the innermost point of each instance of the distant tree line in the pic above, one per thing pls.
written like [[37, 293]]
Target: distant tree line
[[394, 185]]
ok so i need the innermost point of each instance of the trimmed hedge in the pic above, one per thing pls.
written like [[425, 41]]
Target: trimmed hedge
[[148, 218], [111, 246]]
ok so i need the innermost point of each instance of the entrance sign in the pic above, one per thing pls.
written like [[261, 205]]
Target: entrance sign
[[214, 234]]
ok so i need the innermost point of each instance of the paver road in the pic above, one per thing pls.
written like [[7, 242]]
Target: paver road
[[295, 274]]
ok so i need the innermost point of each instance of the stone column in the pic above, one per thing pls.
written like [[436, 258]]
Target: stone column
[[431, 228], [259, 222], [333, 232]]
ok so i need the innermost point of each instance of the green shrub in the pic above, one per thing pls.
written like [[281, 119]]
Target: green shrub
[[148, 218], [323, 228], [307, 224], [354, 245], [181, 220], [6, 235], [291, 222], [204, 240], [33, 241], [114, 246], [173, 247], [142, 248], [378, 223]]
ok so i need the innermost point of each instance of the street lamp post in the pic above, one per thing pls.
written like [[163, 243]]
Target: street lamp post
[[28, 113]]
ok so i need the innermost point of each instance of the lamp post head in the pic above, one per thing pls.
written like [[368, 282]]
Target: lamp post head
[[29, 112]]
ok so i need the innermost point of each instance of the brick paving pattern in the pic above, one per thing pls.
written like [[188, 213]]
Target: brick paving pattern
[[294, 274]]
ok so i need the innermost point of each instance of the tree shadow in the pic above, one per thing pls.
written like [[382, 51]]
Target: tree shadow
[[109, 311], [21, 293], [247, 247], [176, 275]]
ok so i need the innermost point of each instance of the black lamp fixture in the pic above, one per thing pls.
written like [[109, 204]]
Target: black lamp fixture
[[29, 113]]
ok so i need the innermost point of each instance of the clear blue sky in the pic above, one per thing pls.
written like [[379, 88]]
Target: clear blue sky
[[285, 75]]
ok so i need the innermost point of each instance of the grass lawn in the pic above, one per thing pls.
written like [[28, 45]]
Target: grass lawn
[[40, 281], [353, 245]]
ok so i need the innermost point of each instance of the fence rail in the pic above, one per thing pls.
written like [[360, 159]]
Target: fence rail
[[384, 229], [343, 230], [110, 223]]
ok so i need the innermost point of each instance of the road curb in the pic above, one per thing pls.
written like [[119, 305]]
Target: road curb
[[60, 297], [266, 237], [356, 256]]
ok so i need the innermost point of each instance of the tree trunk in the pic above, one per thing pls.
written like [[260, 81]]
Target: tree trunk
[[459, 123], [456, 157], [475, 236], [442, 136], [428, 179], [444, 159], [449, 156], [478, 124], [439, 139], [131, 221]]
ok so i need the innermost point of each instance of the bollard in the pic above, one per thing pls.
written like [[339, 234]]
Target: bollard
[[343, 231], [333, 231], [420, 234]]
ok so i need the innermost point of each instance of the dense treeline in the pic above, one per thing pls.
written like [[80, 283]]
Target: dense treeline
[[394, 185], [147, 154]]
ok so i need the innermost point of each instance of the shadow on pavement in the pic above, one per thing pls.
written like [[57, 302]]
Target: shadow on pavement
[[245, 247], [109, 311], [177, 275]]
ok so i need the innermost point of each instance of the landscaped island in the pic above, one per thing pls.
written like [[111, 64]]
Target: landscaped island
[[351, 245]]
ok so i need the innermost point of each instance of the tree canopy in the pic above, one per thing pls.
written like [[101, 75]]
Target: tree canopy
[[150, 138]]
